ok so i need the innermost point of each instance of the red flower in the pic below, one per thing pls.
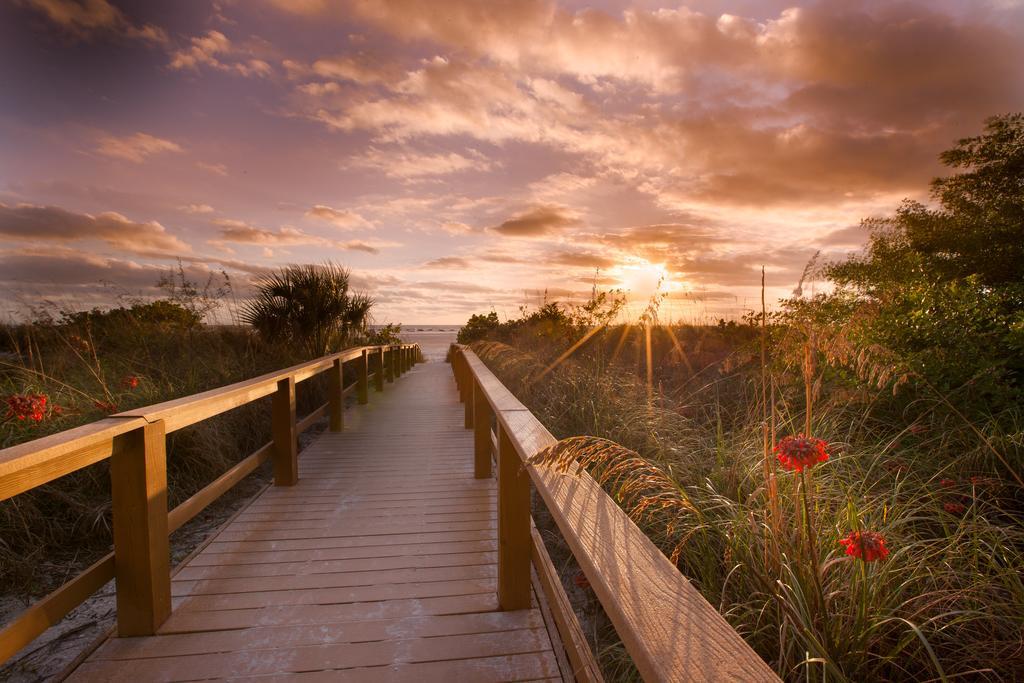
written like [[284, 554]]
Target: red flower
[[947, 483], [954, 508], [867, 545], [131, 382], [580, 579], [26, 406], [797, 452], [105, 406], [918, 429]]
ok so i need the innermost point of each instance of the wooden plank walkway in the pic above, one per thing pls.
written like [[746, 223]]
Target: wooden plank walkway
[[380, 564]]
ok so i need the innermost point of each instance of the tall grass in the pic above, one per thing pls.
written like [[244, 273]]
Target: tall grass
[[89, 366], [762, 543]]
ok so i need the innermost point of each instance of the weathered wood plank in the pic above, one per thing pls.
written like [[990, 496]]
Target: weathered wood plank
[[285, 566], [276, 637], [285, 615], [526, 667], [317, 657]]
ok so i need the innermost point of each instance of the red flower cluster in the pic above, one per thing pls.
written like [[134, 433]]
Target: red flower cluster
[[954, 508], [105, 406], [797, 452], [130, 382], [867, 545], [580, 579], [26, 406], [947, 483]]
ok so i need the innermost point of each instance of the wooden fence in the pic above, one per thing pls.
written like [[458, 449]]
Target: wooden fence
[[135, 444], [671, 632]]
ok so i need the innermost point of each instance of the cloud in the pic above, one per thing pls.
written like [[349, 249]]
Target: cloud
[[197, 208], [448, 262], [456, 228], [215, 50], [361, 69], [836, 101], [240, 232], [30, 222], [581, 259], [217, 169], [852, 236], [345, 219], [537, 222], [85, 18], [70, 268], [135, 148], [401, 163]]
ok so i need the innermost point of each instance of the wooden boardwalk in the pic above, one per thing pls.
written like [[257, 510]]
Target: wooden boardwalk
[[380, 564]]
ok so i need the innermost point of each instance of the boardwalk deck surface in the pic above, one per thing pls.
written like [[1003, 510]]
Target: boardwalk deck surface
[[379, 565]]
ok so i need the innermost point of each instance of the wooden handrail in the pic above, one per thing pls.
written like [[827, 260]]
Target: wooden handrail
[[135, 442], [671, 632]]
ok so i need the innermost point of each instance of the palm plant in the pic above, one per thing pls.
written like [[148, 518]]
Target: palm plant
[[310, 306]]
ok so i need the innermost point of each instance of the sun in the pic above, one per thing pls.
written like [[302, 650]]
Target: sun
[[643, 279]]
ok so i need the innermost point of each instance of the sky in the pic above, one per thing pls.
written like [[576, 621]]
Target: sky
[[461, 157]]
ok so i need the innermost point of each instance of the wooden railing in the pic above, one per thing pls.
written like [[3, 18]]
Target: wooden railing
[[135, 443], [671, 632]]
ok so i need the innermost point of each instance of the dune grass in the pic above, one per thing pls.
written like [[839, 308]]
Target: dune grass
[[692, 463], [89, 366]]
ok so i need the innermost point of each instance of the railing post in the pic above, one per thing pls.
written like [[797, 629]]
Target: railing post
[[389, 362], [378, 378], [470, 382], [142, 556], [513, 527], [482, 414], [286, 443], [458, 365], [362, 378], [335, 399]]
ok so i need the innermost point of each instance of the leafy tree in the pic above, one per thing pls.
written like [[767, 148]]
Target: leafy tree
[[159, 312], [942, 287], [385, 336], [479, 327], [309, 306]]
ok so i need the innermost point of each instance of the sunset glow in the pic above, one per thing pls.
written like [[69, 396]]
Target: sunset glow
[[643, 280], [461, 157]]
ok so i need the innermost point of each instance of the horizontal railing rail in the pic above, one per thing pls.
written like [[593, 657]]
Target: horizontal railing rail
[[135, 443], [670, 631]]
